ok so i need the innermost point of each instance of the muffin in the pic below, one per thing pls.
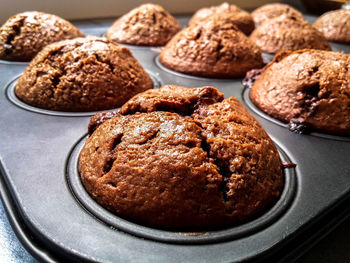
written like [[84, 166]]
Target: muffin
[[228, 13], [269, 11], [214, 49], [335, 25], [146, 25], [288, 33], [25, 34], [310, 89], [82, 74], [179, 162]]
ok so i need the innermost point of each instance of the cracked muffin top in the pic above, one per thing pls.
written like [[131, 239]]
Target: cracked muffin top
[[213, 49], [25, 34], [82, 74], [146, 25], [269, 11], [227, 13], [288, 33], [182, 158], [310, 89], [335, 25]]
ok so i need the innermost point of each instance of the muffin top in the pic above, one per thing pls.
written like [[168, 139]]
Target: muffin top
[[269, 11], [335, 25], [146, 25], [208, 165], [288, 33], [212, 49], [308, 88], [25, 34], [228, 13], [82, 74]]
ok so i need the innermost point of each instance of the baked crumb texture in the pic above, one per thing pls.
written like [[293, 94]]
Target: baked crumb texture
[[182, 158], [146, 25], [83, 74], [310, 89], [274, 10], [214, 49], [288, 32], [226, 13], [335, 25], [25, 34]]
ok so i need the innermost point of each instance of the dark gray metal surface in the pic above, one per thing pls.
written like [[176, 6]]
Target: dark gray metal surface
[[35, 148], [10, 248]]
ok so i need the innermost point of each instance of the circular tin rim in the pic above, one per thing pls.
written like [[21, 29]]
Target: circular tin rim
[[251, 105], [11, 96], [183, 75], [117, 223]]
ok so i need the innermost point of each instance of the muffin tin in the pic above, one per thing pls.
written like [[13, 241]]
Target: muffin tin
[[57, 220]]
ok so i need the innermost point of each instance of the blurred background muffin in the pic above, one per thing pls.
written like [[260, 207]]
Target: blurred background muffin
[[287, 32], [214, 49], [335, 25], [227, 13], [270, 11], [146, 25], [25, 34]]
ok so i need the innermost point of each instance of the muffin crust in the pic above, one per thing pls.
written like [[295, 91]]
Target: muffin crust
[[226, 13], [213, 49], [25, 34], [310, 89], [288, 33], [83, 74], [209, 168], [335, 25], [146, 25], [269, 11]]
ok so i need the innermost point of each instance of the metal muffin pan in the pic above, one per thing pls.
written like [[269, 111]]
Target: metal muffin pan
[[57, 220]]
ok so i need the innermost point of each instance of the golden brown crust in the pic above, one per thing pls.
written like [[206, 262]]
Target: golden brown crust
[[288, 33], [25, 34], [335, 25], [226, 13], [146, 25], [310, 87], [82, 74], [212, 168], [269, 11], [213, 49]]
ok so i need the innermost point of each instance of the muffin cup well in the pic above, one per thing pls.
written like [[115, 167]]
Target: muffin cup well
[[263, 220]]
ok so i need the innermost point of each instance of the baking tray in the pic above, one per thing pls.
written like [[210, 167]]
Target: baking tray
[[58, 221]]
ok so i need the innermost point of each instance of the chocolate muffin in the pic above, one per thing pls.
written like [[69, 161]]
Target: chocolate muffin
[[25, 34], [146, 25], [182, 159], [270, 11], [213, 49], [82, 74], [310, 89], [335, 25], [288, 33], [228, 13]]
